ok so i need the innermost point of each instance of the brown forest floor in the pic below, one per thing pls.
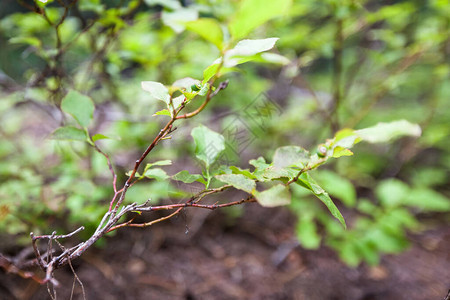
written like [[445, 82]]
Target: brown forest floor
[[254, 257]]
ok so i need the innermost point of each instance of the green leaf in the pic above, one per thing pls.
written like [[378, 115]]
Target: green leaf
[[209, 144], [259, 163], [209, 29], [185, 83], [245, 49], [171, 4], [277, 195], [307, 232], [307, 182], [384, 132], [427, 200], [238, 181], [177, 19], [29, 40], [164, 112], [157, 90], [391, 192], [69, 133], [186, 177], [165, 162], [100, 136], [156, 173], [275, 58], [339, 151], [337, 186], [253, 13], [79, 106], [210, 71], [245, 172], [288, 156]]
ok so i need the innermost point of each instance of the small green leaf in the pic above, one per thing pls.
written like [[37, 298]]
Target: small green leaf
[[384, 132], [210, 71], [164, 112], [156, 173], [277, 195], [157, 90], [238, 181], [186, 177], [246, 172], [307, 182], [209, 29], [288, 156], [79, 106], [209, 144], [253, 13], [100, 136], [339, 151], [69, 133], [165, 162]]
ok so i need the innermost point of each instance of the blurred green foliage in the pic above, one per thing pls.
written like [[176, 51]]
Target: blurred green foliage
[[350, 64]]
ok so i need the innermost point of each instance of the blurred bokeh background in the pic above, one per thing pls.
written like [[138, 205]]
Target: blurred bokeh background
[[340, 64]]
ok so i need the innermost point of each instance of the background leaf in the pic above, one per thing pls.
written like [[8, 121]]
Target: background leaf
[[78, 106], [209, 29], [69, 133], [253, 13]]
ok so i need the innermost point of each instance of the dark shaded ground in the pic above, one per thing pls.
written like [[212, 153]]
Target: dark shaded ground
[[254, 258]]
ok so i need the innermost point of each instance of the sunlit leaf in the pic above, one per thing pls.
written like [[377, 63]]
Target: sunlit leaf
[[384, 132], [245, 49], [157, 90]]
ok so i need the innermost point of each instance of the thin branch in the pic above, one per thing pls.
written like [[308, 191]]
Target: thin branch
[[209, 96]]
